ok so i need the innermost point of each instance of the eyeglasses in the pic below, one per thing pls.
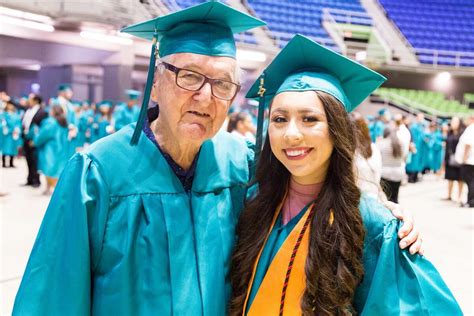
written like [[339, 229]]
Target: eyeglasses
[[194, 81]]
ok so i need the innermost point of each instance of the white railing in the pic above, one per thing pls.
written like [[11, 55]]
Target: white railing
[[395, 28], [346, 16], [336, 33], [454, 58], [379, 50], [279, 35]]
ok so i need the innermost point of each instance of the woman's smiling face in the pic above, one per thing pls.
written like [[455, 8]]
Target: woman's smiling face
[[299, 135]]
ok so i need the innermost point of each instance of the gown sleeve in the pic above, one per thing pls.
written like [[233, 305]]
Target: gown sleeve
[[398, 283], [57, 279]]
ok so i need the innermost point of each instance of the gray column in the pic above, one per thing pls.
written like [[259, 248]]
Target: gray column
[[116, 79], [49, 77]]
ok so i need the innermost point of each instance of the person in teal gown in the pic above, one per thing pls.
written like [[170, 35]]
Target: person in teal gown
[[51, 142], [417, 151], [82, 115], [2, 124], [102, 125], [144, 224], [434, 148], [379, 124], [64, 99], [86, 120], [11, 131], [127, 113], [76, 142], [310, 145], [371, 126]]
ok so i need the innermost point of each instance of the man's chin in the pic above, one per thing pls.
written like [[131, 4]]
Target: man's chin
[[195, 132]]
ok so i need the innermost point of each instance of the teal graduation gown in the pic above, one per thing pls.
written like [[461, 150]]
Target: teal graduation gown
[[83, 124], [99, 127], [2, 125], [51, 143], [123, 115], [437, 151], [378, 129], [122, 237], [394, 283], [11, 134], [416, 163]]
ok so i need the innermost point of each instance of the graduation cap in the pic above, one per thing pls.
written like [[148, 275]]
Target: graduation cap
[[133, 94], [76, 103], [382, 112], [105, 104], [205, 29], [304, 65], [54, 101], [64, 87]]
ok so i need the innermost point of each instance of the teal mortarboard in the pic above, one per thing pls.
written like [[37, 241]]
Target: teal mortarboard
[[133, 94], [382, 111], [54, 101], [76, 103], [205, 29], [64, 87], [304, 65], [105, 103]]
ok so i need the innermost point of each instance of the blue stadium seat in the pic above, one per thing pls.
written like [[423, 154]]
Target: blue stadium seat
[[287, 17], [437, 24]]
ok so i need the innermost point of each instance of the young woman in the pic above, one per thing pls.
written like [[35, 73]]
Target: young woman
[[240, 124], [452, 168], [51, 143], [368, 160], [308, 242], [393, 167]]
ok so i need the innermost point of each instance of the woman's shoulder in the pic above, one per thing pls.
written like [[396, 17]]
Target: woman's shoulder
[[375, 216]]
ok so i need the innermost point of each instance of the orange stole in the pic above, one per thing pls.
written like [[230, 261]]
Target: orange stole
[[267, 300]]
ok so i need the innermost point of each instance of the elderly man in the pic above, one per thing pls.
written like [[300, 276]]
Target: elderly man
[[148, 227]]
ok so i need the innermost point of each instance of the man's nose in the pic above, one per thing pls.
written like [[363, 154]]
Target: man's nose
[[205, 93]]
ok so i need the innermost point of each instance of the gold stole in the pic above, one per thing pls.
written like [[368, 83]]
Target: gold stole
[[267, 300]]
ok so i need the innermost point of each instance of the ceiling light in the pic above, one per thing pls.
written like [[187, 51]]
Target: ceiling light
[[26, 23], [25, 15]]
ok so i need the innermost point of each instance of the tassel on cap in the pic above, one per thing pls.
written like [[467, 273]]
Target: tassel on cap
[[261, 113], [146, 97]]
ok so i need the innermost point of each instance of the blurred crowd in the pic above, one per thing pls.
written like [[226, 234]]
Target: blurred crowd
[[392, 149], [49, 133], [395, 149]]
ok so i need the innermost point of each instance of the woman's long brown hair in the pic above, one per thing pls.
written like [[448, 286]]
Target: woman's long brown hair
[[334, 263]]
